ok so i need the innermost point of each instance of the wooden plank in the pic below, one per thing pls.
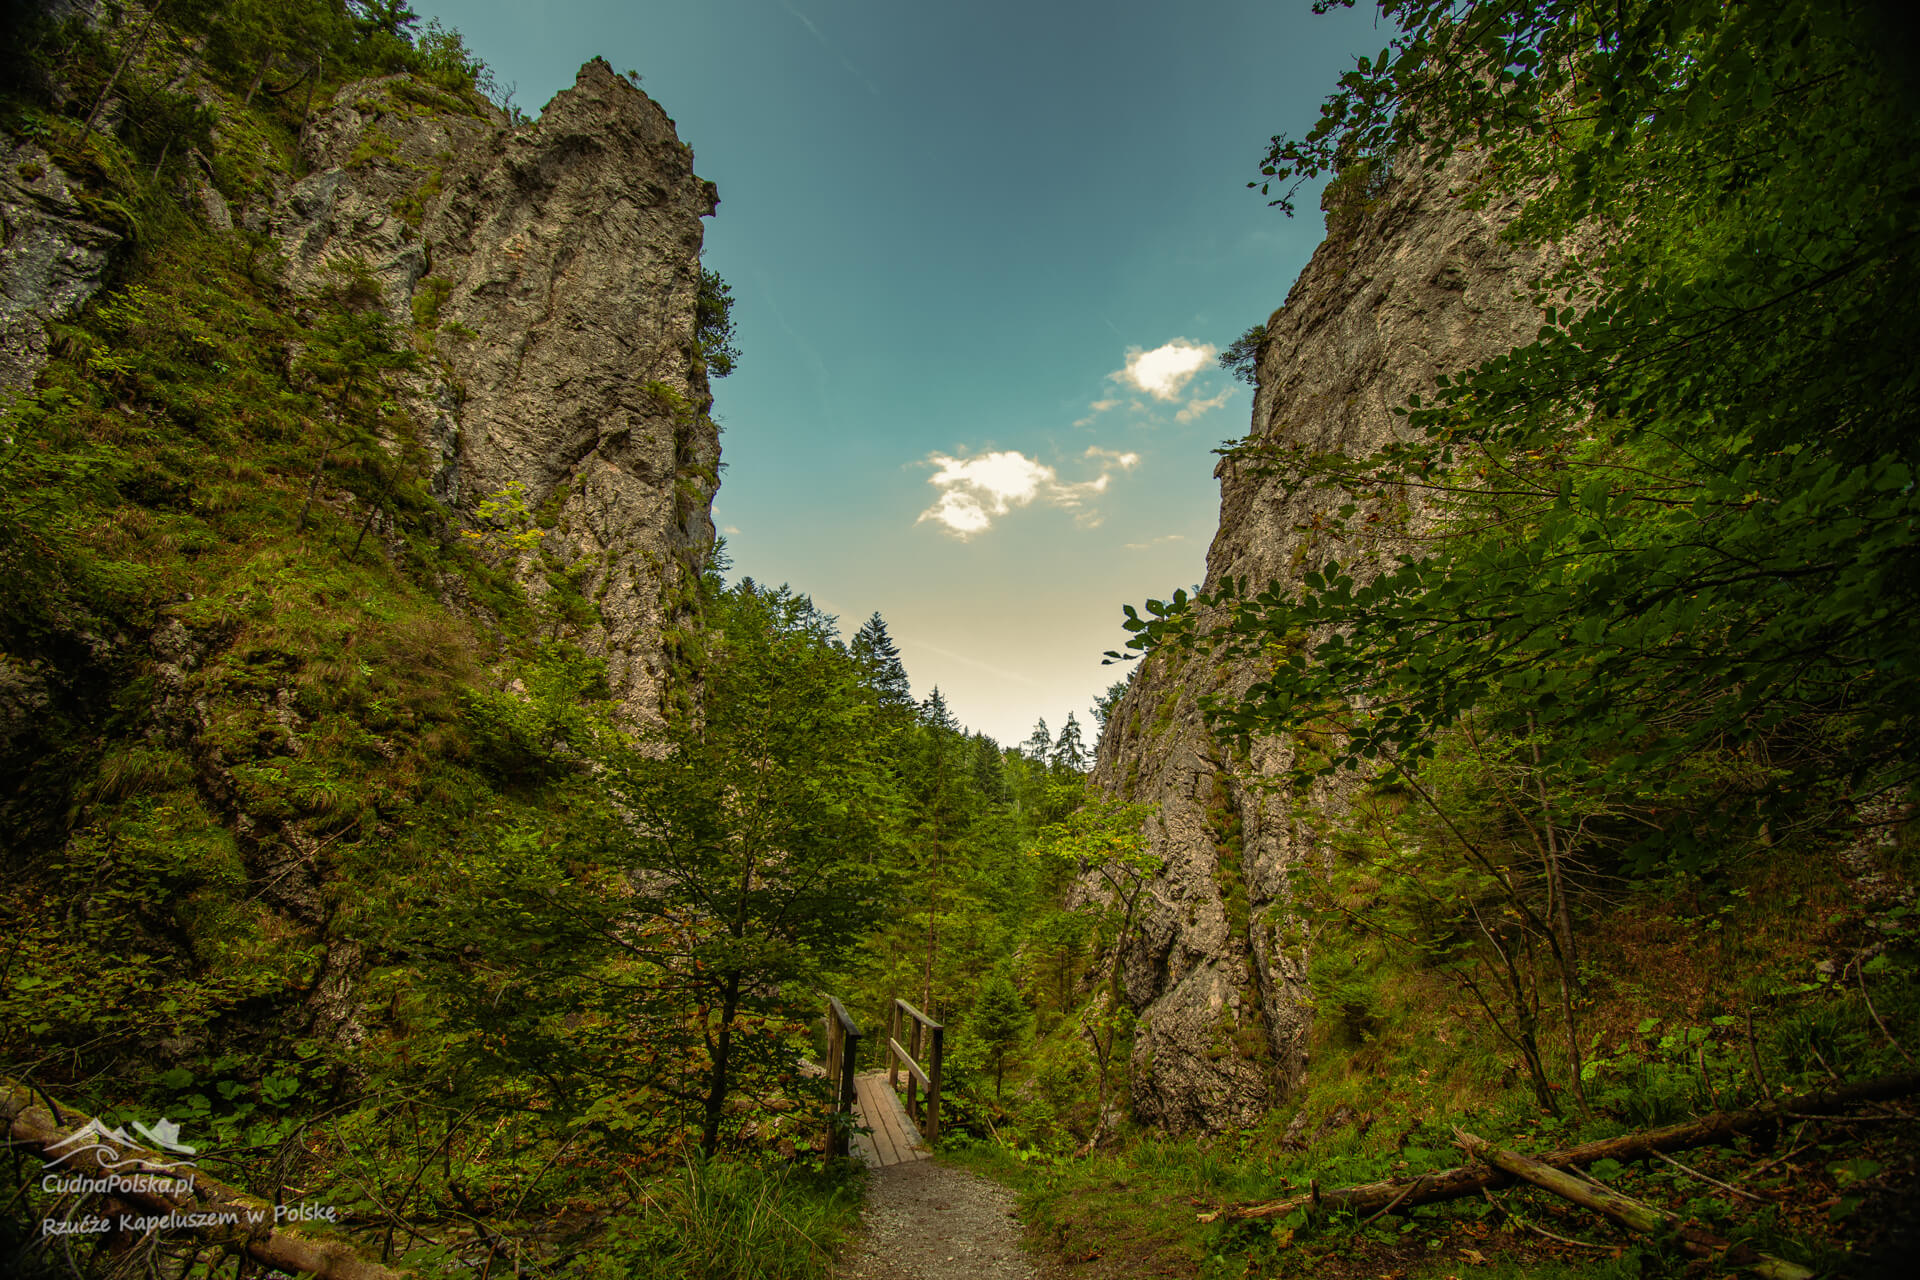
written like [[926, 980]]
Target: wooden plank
[[906, 1060], [918, 1016], [907, 1134], [874, 1115], [895, 1140], [862, 1147], [864, 1112], [886, 1111]]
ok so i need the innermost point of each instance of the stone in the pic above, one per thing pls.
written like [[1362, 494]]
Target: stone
[[53, 257]]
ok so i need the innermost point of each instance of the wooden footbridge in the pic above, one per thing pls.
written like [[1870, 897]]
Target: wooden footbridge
[[870, 1117]]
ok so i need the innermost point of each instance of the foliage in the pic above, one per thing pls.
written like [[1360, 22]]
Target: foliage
[[880, 666], [758, 825], [513, 527], [1103, 706], [713, 333], [1618, 633], [1680, 525], [1242, 356], [1001, 1020], [1104, 844]]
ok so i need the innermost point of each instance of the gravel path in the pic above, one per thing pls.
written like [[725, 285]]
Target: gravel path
[[928, 1222]]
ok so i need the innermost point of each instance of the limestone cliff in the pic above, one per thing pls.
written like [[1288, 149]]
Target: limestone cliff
[[546, 274], [555, 268], [1410, 282]]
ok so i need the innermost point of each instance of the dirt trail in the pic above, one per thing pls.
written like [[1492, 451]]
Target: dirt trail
[[928, 1222]]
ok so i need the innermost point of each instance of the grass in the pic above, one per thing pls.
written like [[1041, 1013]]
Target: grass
[[720, 1220]]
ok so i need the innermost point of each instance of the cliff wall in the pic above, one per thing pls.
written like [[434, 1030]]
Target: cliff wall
[[554, 269], [1409, 283]]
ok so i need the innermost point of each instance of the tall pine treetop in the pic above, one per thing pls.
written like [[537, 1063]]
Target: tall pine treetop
[[880, 665]]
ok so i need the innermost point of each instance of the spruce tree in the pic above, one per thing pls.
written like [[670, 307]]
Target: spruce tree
[[1070, 752], [1000, 1019], [880, 667]]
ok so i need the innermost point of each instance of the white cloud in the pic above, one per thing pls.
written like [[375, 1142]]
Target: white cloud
[[1154, 542], [1095, 409], [973, 491], [1164, 371], [1197, 406]]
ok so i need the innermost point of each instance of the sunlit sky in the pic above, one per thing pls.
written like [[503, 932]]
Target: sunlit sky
[[983, 255]]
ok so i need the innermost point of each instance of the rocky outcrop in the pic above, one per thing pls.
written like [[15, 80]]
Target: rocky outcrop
[[552, 270], [53, 257], [1410, 283]]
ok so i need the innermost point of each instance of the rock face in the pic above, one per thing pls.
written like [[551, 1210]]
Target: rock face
[[554, 267], [1410, 283], [53, 257]]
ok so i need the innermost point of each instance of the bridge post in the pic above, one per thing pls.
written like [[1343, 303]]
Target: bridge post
[[843, 1058], [893, 1034], [933, 1084], [913, 1051]]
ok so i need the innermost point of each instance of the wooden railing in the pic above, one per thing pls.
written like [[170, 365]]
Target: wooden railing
[[843, 1054], [924, 1029]]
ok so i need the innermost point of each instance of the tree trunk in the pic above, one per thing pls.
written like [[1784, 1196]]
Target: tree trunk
[[372, 511], [722, 1049], [933, 928], [306, 109], [1625, 1210], [1450, 1184], [113, 81], [258, 77]]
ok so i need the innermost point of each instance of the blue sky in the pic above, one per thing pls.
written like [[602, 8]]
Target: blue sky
[[979, 252]]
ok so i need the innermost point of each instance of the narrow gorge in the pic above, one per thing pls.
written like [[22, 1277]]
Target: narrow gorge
[[427, 854]]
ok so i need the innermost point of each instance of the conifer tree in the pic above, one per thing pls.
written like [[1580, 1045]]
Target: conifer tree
[[1000, 1019], [1040, 742], [880, 666], [1070, 752]]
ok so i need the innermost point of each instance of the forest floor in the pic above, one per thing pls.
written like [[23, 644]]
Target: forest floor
[[930, 1221]]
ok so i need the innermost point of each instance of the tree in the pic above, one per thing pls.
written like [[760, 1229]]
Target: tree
[[713, 333], [754, 824], [388, 17], [999, 1020], [1039, 744], [1104, 844], [880, 666], [1242, 356], [942, 807], [1070, 752], [1104, 704]]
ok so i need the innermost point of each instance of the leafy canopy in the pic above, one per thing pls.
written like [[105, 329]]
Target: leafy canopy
[[1679, 527]]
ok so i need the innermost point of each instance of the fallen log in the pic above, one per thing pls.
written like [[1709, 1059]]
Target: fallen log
[[169, 1196], [1467, 1180], [1628, 1212]]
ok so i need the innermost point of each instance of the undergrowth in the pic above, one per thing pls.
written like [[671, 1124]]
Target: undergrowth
[[1766, 985]]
